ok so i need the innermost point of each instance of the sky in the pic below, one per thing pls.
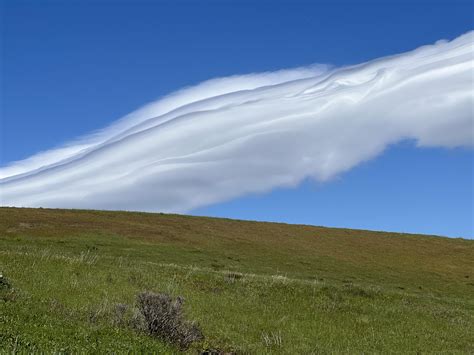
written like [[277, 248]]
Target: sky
[[72, 68]]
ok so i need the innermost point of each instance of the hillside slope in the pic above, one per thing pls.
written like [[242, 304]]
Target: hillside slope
[[253, 287]]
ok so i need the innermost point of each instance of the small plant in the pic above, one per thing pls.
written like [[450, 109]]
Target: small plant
[[4, 283], [7, 293], [163, 317]]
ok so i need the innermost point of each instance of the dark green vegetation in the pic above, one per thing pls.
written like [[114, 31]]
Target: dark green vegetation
[[252, 287]]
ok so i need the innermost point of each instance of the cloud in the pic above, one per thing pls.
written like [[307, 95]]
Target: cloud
[[232, 136]]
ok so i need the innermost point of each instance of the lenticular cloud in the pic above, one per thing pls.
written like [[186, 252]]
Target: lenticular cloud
[[244, 134]]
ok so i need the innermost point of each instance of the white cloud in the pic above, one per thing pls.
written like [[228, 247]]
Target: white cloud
[[232, 136]]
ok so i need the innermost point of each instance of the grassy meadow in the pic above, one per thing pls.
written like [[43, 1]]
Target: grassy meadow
[[253, 287]]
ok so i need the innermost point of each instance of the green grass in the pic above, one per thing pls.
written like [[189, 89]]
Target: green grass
[[253, 287]]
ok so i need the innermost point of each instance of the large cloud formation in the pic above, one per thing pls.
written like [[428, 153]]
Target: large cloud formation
[[233, 136]]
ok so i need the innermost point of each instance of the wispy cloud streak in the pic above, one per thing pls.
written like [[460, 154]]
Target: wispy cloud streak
[[233, 136]]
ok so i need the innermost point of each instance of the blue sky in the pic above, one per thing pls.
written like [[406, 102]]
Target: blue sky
[[69, 68]]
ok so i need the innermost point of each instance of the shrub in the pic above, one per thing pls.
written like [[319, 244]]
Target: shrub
[[163, 317]]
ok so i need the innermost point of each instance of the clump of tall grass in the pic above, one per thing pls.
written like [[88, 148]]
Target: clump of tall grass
[[232, 277], [272, 339]]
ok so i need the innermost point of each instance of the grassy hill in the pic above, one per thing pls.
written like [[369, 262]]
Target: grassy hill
[[253, 287]]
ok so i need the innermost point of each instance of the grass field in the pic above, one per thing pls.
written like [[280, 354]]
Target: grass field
[[253, 287]]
